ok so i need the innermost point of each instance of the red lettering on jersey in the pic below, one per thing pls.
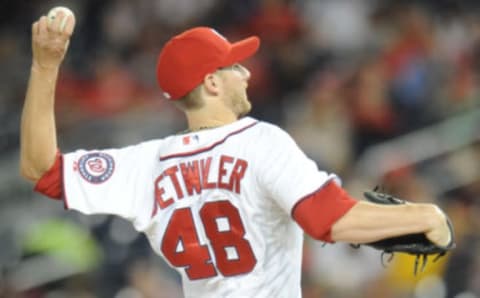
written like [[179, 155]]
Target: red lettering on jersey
[[159, 192], [172, 173], [237, 174], [222, 172], [205, 166], [191, 177], [195, 178]]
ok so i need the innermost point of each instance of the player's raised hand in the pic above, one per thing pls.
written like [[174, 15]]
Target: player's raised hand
[[50, 39]]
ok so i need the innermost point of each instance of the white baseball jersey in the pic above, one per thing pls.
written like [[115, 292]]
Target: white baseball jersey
[[215, 203]]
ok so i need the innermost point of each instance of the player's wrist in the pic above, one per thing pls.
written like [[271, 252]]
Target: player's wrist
[[44, 67], [438, 231], [432, 215]]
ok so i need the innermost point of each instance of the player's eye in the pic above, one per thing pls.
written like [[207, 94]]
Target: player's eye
[[236, 67]]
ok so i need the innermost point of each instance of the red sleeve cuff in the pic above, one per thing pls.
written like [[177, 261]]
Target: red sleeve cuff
[[51, 183], [317, 212]]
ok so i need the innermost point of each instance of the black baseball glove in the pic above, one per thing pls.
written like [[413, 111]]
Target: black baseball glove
[[415, 244]]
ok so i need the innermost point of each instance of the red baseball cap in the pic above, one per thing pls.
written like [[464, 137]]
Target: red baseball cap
[[186, 58]]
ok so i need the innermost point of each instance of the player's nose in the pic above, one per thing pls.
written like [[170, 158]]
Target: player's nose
[[246, 73]]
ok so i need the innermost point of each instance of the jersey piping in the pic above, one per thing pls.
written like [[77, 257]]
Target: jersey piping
[[208, 148]]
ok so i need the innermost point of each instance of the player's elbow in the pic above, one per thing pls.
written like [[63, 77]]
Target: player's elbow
[[33, 167], [31, 171], [28, 174], [313, 230], [322, 235]]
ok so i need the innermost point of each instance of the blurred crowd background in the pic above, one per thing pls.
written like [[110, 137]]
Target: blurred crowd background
[[380, 92]]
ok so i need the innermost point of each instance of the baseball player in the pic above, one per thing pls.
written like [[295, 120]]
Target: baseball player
[[227, 202]]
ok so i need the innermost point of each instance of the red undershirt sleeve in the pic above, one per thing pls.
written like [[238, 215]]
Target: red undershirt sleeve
[[51, 183], [317, 212]]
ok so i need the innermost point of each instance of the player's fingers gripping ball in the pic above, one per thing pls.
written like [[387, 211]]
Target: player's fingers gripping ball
[[58, 16]]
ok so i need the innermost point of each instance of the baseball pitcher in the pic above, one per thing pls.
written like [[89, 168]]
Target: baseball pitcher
[[226, 203]]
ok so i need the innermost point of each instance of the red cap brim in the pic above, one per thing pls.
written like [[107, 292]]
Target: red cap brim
[[242, 50]]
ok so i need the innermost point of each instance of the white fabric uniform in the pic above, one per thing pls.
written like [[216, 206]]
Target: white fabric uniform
[[216, 204]]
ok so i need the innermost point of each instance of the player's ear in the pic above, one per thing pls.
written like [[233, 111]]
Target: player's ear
[[212, 84]]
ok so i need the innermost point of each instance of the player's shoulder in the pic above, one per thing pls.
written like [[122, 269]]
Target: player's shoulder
[[268, 127], [193, 142], [270, 132], [247, 129], [154, 145], [254, 130]]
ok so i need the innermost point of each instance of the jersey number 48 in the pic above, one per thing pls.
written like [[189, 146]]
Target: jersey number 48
[[224, 242]]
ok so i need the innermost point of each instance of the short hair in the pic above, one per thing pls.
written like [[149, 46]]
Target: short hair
[[192, 101]]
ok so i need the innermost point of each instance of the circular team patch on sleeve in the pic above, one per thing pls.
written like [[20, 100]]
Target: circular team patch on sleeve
[[96, 167]]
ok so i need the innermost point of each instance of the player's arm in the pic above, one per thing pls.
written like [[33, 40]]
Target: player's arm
[[38, 140], [331, 214], [367, 222]]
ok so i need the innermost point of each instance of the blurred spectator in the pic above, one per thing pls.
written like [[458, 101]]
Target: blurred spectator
[[463, 269], [409, 66], [319, 123], [146, 278], [373, 116], [342, 26]]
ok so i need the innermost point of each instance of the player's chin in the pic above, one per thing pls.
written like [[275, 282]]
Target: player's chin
[[245, 109]]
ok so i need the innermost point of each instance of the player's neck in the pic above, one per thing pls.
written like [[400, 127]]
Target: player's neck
[[209, 118]]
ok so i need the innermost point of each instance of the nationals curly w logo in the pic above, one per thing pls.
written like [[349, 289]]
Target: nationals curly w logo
[[96, 167]]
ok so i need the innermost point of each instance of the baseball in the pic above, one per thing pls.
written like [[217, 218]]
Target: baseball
[[53, 13]]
